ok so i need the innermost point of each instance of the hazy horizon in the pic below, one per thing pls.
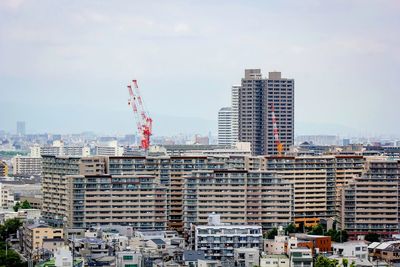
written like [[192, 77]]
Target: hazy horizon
[[64, 65]]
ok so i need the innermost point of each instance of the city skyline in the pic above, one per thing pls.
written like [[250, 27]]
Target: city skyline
[[77, 61]]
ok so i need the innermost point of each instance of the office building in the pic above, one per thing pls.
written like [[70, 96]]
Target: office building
[[111, 148], [3, 168], [239, 196], [218, 241], [21, 128], [257, 96], [225, 126], [26, 166]]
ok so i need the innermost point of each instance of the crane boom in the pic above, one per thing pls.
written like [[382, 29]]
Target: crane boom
[[144, 122]]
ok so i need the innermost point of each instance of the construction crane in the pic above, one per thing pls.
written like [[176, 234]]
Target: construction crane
[[143, 120], [279, 145]]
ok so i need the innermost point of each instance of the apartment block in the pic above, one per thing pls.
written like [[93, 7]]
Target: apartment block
[[33, 235], [138, 201], [170, 171], [6, 197], [239, 196], [28, 166], [257, 98], [55, 180], [225, 126], [235, 113], [218, 241], [3, 168], [371, 202], [316, 180]]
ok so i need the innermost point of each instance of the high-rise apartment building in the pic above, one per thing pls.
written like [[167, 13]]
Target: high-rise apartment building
[[371, 202], [21, 128], [25, 165], [257, 97], [239, 196], [55, 178], [235, 113], [138, 201], [225, 126]]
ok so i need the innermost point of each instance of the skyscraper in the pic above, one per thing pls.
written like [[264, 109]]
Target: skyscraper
[[225, 126], [256, 98], [20, 127]]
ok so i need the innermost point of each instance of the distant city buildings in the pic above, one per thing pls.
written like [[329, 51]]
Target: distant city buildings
[[21, 130]]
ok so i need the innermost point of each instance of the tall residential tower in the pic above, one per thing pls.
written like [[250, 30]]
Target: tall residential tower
[[257, 96]]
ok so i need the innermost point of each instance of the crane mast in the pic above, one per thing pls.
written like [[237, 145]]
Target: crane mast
[[279, 145], [142, 118]]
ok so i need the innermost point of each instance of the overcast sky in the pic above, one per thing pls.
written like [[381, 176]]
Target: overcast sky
[[64, 65]]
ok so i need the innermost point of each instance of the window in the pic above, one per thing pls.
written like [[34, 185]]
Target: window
[[127, 258], [131, 265]]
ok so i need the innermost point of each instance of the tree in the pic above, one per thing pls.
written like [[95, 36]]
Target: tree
[[291, 228], [337, 236], [272, 233], [10, 227], [372, 237], [353, 264], [345, 262], [317, 230], [325, 262], [25, 205]]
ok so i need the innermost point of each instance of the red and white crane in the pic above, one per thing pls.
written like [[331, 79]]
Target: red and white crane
[[143, 120], [279, 145]]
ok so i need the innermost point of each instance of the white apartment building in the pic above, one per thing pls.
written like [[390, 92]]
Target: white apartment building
[[225, 126], [235, 113], [6, 197], [25, 165], [218, 241]]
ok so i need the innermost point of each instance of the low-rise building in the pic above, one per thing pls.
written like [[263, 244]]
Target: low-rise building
[[128, 258], [246, 257], [191, 257], [274, 261], [301, 257], [218, 240], [6, 197], [357, 249], [32, 237]]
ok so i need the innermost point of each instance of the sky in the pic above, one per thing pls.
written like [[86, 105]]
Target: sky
[[64, 65]]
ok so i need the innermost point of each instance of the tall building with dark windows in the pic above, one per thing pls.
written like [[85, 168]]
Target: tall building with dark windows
[[257, 96]]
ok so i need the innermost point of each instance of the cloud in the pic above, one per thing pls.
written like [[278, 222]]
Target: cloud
[[11, 4]]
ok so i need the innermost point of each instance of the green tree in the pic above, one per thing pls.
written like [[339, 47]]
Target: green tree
[[345, 262], [317, 230], [10, 227], [353, 264], [291, 228], [272, 233], [372, 237], [325, 262], [17, 206], [25, 205]]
